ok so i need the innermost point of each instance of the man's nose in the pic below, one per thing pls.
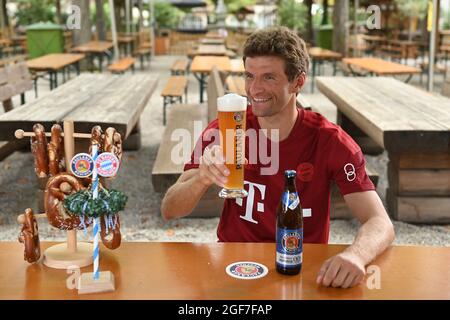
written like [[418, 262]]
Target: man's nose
[[255, 87]]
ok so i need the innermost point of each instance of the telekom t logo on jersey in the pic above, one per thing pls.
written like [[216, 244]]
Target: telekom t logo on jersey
[[256, 187]]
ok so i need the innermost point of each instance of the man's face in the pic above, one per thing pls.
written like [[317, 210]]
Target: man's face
[[267, 85]]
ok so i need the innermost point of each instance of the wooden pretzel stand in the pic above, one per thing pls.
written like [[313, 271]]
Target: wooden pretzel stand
[[70, 253]]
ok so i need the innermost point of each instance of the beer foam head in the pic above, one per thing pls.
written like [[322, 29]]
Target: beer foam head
[[231, 102]]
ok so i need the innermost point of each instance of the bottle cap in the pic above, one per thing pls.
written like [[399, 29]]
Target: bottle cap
[[290, 173]]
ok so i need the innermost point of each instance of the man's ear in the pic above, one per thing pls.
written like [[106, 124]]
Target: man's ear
[[298, 82]]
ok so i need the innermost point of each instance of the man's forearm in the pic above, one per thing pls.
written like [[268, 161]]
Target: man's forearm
[[374, 236], [182, 198]]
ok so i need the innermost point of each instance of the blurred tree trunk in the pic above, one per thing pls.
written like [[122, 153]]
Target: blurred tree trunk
[[309, 22], [4, 20], [141, 17], [325, 12], [58, 12], [119, 6], [84, 34], [340, 21], [100, 20]]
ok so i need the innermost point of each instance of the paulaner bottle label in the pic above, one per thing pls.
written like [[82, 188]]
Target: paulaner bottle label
[[290, 200], [289, 247]]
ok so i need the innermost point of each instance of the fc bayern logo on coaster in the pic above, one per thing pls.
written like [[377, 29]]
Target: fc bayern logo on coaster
[[82, 165], [246, 270], [107, 164]]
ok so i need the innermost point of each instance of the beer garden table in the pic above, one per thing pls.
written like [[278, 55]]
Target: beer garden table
[[413, 126], [54, 62], [87, 100], [319, 55], [127, 42], [380, 67], [95, 48], [201, 66], [209, 41], [211, 50], [191, 271]]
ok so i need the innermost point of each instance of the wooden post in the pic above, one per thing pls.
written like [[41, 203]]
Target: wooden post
[[63, 255], [68, 154]]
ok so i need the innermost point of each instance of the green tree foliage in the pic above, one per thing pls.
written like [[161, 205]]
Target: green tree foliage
[[166, 15], [412, 8], [33, 11], [292, 14], [235, 5]]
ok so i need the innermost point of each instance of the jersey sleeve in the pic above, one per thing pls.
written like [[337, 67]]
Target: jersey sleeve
[[347, 165], [209, 137]]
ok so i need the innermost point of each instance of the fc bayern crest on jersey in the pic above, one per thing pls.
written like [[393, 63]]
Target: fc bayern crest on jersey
[[107, 164], [246, 270], [82, 165]]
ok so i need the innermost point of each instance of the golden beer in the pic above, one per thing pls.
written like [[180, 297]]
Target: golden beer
[[231, 110]]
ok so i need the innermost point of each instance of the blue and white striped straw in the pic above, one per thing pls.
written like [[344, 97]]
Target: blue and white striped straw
[[96, 228]]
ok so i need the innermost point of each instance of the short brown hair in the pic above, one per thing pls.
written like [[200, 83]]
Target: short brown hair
[[280, 42]]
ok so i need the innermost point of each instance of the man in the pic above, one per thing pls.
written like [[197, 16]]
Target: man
[[276, 63]]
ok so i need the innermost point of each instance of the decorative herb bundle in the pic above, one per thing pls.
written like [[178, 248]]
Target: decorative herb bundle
[[108, 202]]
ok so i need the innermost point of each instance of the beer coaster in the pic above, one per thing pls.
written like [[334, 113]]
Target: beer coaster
[[82, 165], [247, 270], [107, 164]]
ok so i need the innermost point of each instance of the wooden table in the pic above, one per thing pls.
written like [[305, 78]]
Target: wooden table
[[95, 48], [88, 100], [210, 41], [126, 41], [211, 50], [380, 67], [320, 55], [407, 48], [54, 62], [190, 271], [414, 127], [201, 66], [215, 35]]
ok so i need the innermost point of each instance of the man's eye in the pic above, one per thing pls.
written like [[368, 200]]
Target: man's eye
[[248, 76], [269, 77]]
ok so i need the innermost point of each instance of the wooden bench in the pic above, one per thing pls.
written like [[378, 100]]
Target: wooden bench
[[188, 120], [179, 67], [173, 92], [122, 65], [15, 80]]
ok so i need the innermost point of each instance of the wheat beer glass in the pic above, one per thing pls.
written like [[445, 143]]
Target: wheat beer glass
[[231, 109]]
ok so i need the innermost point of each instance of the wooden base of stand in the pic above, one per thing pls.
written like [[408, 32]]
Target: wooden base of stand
[[105, 283], [59, 257]]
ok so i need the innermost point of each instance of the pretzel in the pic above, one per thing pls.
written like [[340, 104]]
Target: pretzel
[[39, 149], [29, 236], [96, 138], [113, 142], [58, 187], [55, 151], [116, 237]]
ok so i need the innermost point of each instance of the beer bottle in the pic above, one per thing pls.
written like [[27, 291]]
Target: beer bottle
[[289, 233]]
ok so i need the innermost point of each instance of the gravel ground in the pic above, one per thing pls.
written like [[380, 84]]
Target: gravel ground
[[141, 220]]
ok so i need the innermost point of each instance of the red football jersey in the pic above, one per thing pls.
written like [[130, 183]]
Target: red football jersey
[[318, 150]]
